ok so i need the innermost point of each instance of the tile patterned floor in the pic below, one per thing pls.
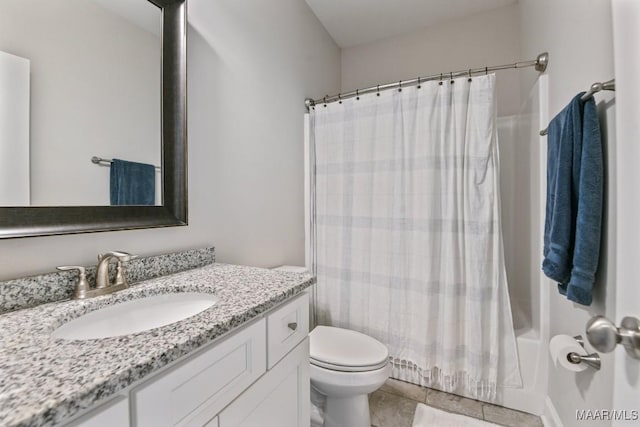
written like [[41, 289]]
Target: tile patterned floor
[[395, 403]]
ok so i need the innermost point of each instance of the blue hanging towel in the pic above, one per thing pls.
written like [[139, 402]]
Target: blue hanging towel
[[574, 200], [132, 183]]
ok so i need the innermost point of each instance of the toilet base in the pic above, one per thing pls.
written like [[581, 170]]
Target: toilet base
[[351, 411]]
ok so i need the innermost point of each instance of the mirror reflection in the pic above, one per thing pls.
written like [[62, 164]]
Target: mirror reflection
[[80, 103]]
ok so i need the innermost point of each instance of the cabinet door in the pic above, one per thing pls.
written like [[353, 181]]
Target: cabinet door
[[280, 398], [212, 423], [195, 390], [113, 413]]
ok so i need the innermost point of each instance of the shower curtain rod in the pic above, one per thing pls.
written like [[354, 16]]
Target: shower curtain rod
[[107, 162], [540, 64]]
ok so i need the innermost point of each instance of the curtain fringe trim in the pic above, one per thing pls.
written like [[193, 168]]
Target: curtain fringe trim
[[448, 382]]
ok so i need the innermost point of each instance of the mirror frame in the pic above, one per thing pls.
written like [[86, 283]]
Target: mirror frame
[[46, 220]]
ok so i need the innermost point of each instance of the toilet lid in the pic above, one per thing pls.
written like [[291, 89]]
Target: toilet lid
[[345, 350]]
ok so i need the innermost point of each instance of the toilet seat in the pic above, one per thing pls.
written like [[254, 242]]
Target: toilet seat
[[344, 350], [341, 368]]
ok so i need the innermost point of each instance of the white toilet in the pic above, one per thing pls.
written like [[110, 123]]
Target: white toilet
[[345, 367]]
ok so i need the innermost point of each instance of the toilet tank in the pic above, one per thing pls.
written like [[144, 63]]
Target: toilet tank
[[291, 269]]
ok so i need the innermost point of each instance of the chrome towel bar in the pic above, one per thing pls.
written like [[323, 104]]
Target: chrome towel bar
[[596, 87], [107, 162]]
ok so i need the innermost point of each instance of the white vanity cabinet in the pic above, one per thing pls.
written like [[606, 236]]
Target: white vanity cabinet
[[257, 375], [194, 391], [115, 412], [279, 399], [213, 423]]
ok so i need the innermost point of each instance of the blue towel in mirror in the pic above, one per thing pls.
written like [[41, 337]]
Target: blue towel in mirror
[[574, 200], [132, 183]]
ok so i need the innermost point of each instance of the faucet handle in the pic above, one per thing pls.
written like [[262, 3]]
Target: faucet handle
[[82, 286], [121, 279], [124, 256], [121, 255], [80, 268]]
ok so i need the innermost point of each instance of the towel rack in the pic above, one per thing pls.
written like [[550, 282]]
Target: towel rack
[[107, 162], [596, 87]]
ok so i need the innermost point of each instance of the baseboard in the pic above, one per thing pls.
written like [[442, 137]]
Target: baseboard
[[550, 417]]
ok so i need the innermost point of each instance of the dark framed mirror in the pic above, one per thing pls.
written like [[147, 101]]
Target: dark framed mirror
[[63, 217]]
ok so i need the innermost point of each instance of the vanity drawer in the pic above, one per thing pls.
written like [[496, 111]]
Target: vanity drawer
[[195, 390], [286, 327]]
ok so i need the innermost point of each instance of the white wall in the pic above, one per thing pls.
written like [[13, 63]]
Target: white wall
[[578, 36], [251, 64], [95, 91], [489, 38]]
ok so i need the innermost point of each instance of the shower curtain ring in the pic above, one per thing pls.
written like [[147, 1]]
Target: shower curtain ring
[[486, 71], [339, 98], [325, 101], [440, 83], [357, 94], [400, 86], [469, 75], [419, 83], [378, 90], [451, 77]]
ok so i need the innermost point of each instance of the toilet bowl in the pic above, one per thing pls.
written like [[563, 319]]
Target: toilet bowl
[[345, 367]]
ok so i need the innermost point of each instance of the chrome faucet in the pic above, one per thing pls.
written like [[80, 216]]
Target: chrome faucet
[[103, 287], [102, 272]]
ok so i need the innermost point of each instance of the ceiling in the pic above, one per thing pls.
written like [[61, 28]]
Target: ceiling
[[354, 22]]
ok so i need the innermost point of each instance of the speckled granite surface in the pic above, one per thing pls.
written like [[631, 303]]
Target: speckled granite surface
[[57, 286], [46, 380]]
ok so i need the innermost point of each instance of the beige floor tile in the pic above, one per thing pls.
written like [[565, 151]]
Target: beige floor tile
[[390, 410], [404, 389], [509, 417], [454, 403]]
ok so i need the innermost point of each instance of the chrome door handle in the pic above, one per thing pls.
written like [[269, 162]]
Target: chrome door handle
[[604, 336], [293, 326]]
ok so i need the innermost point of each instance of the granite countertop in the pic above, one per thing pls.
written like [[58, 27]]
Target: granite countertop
[[47, 380]]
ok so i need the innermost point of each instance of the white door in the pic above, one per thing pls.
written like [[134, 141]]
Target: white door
[[113, 413], [280, 398], [14, 130], [626, 35]]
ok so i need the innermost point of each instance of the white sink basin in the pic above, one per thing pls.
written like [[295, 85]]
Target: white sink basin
[[135, 316]]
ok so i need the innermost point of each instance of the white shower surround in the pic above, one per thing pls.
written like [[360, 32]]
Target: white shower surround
[[466, 355], [521, 144]]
